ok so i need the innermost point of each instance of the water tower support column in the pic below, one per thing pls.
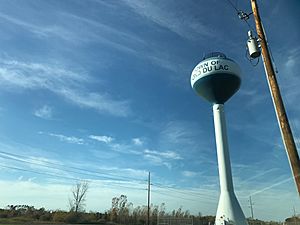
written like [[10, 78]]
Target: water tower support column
[[229, 210], [222, 148]]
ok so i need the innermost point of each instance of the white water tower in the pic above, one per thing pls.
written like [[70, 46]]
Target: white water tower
[[216, 79]]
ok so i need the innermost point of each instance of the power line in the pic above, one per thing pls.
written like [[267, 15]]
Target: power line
[[233, 6], [175, 196], [41, 163], [65, 177], [111, 184], [81, 171], [242, 15], [185, 193], [36, 172]]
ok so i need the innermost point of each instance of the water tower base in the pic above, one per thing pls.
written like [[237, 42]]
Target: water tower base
[[229, 210]]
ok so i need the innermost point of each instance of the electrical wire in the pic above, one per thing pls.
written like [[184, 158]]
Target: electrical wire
[[245, 16], [187, 193], [270, 50], [230, 2], [250, 59], [89, 173], [252, 29], [164, 192], [294, 126], [40, 173], [175, 196], [175, 188], [178, 191], [81, 171], [68, 177]]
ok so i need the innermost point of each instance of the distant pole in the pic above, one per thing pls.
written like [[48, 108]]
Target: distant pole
[[283, 122], [251, 207], [294, 211], [148, 214]]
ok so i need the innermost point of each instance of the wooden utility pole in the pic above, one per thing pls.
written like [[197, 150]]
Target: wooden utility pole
[[148, 213], [285, 129]]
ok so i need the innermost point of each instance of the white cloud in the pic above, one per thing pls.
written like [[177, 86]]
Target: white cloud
[[68, 139], [180, 132], [137, 141], [44, 112], [297, 142], [188, 173], [116, 38], [124, 148], [167, 154], [31, 179], [156, 160], [105, 139], [63, 82], [45, 30], [184, 24], [289, 79], [102, 103], [43, 161], [161, 158]]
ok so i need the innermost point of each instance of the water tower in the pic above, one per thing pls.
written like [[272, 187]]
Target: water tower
[[216, 79]]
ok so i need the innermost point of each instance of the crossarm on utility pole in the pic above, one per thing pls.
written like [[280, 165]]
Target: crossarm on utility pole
[[283, 122]]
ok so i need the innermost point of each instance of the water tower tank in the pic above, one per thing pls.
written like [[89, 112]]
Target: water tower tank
[[216, 78]]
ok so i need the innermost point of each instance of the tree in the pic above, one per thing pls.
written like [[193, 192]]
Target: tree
[[77, 201], [162, 210]]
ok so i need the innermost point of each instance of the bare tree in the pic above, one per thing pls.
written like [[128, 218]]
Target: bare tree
[[77, 201]]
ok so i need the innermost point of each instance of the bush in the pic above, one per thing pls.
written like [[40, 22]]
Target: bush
[[46, 217], [59, 216], [72, 217]]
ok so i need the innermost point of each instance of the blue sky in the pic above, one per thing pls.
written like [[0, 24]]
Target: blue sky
[[99, 90]]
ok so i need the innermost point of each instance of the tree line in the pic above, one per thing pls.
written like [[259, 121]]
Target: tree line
[[122, 212]]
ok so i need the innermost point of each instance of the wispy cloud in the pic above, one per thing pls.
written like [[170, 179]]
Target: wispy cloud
[[179, 132], [290, 79], [189, 174], [161, 158], [67, 139], [167, 154], [126, 41], [105, 139], [184, 134], [45, 112], [156, 160], [121, 39], [137, 141], [107, 34], [41, 30], [254, 97], [61, 81], [271, 186], [182, 22], [100, 102]]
